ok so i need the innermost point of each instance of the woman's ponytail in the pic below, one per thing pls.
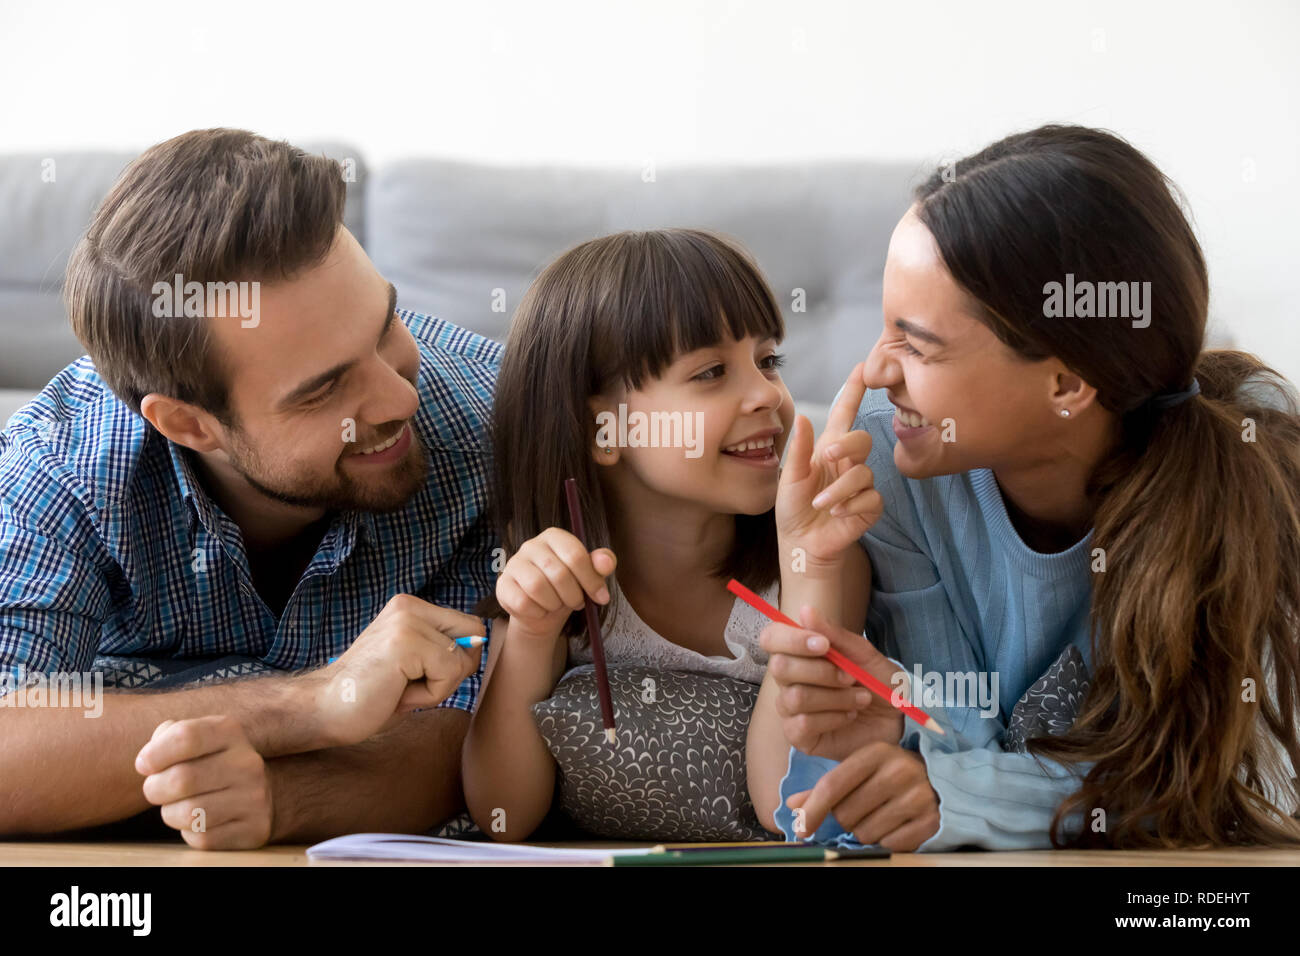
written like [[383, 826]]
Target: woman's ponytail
[[1190, 720]]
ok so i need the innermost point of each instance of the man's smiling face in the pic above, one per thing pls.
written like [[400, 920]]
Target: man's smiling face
[[327, 373]]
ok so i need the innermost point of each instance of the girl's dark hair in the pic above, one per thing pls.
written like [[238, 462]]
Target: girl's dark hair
[[614, 310], [1197, 511]]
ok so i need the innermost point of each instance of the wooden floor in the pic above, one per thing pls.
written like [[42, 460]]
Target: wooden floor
[[176, 853]]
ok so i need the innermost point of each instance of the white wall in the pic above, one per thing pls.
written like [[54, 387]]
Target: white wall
[[1210, 91]]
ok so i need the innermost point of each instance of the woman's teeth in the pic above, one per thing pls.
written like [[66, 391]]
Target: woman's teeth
[[388, 444], [757, 443], [911, 420]]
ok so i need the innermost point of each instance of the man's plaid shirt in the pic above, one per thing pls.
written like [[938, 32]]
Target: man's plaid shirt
[[110, 547]]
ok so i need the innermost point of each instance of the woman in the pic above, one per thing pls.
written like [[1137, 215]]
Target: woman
[[1075, 497]]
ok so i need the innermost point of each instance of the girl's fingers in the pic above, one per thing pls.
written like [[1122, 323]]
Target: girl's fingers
[[579, 565], [538, 587], [853, 447], [516, 603], [842, 414], [856, 479], [798, 455], [869, 504], [562, 576]]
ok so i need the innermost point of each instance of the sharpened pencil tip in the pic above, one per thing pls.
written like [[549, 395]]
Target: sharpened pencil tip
[[933, 724], [610, 736]]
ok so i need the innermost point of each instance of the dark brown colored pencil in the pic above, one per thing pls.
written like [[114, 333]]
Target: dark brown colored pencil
[[593, 621]]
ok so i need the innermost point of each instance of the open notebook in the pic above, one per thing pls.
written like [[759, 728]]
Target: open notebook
[[424, 849]]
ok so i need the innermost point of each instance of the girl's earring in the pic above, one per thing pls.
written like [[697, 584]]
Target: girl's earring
[[608, 450], [1065, 413]]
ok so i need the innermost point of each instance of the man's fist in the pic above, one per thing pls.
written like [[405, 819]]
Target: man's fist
[[210, 782], [405, 660]]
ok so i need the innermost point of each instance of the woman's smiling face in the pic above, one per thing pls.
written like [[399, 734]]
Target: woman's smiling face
[[964, 399]]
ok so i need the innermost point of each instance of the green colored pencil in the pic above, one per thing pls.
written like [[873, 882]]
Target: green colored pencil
[[746, 855]]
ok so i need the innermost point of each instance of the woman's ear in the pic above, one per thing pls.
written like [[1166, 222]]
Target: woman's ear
[[1069, 394]]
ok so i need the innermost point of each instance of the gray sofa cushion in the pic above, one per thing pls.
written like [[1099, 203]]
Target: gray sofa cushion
[[43, 221], [448, 234]]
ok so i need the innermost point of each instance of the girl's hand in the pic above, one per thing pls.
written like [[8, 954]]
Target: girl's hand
[[881, 794], [826, 499], [825, 712], [545, 581]]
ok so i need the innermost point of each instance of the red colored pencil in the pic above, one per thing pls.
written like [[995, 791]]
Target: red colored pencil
[[838, 659], [593, 621]]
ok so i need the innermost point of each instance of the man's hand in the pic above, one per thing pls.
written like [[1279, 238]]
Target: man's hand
[[824, 712], [881, 794], [210, 782], [407, 659]]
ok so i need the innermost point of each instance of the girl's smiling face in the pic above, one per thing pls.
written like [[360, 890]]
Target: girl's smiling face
[[964, 399], [725, 394]]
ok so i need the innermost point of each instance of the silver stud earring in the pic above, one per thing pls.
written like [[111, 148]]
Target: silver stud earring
[[1065, 413]]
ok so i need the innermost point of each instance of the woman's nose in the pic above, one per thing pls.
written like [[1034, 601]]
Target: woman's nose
[[879, 370]]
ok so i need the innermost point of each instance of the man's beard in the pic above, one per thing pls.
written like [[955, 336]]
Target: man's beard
[[339, 491]]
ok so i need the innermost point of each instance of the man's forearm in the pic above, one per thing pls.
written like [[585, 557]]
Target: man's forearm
[[61, 768], [405, 780]]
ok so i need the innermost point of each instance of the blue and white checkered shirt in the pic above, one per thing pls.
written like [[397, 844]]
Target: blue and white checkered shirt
[[110, 548]]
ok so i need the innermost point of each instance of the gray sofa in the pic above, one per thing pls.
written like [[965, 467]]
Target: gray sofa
[[449, 234]]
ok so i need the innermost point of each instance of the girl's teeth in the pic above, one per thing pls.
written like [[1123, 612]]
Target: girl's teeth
[[751, 445]]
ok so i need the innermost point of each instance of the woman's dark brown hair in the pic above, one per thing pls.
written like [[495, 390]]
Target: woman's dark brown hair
[[614, 310], [1194, 688]]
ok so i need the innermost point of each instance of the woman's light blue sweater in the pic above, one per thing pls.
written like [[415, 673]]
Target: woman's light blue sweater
[[958, 594]]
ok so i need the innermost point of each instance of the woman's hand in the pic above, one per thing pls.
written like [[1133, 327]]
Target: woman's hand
[[545, 581], [824, 712], [826, 499], [881, 794]]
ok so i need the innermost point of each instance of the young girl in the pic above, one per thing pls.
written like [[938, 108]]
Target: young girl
[[674, 323]]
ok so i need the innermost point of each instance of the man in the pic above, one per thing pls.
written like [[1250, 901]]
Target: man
[[265, 460]]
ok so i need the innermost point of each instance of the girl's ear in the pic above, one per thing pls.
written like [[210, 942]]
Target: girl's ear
[[604, 449]]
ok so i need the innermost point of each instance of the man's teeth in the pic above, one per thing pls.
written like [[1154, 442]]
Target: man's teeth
[[911, 420], [767, 442], [388, 444]]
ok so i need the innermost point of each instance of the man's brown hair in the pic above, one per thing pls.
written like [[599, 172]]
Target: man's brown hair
[[213, 205]]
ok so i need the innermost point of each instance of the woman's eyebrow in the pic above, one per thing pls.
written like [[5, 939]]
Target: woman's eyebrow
[[916, 331]]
